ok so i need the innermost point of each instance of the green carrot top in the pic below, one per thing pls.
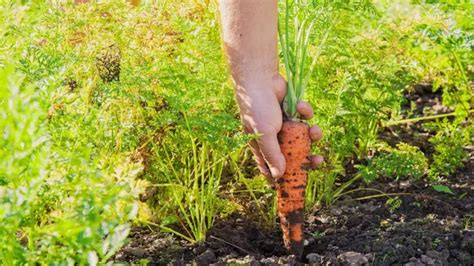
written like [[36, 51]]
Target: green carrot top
[[295, 54]]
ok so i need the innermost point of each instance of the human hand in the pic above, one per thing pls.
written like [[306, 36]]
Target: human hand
[[260, 111]]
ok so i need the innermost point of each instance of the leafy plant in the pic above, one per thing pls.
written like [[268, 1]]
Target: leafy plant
[[467, 221], [296, 55], [77, 152], [192, 185], [404, 162], [351, 89], [23, 149], [366, 67], [449, 144], [318, 235], [393, 203], [62, 199]]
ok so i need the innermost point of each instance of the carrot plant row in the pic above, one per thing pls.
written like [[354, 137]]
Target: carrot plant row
[[80, 150]]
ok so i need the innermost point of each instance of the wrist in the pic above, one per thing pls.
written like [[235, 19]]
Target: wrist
[[257, 80]]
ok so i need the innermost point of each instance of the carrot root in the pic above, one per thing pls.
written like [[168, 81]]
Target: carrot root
[[295, 145]]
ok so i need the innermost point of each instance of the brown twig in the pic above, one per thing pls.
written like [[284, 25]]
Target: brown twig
[[436, 200], [417, 119], [233, 245], [424, 196]]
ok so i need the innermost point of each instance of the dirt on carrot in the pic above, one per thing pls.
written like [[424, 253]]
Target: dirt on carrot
[[295, 145]]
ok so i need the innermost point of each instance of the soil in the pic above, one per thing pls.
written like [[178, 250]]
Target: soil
[[427, 228]]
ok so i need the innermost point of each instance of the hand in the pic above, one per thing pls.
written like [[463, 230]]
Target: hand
[[261, 113]]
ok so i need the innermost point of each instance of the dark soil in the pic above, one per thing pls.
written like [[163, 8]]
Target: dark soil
[[427, 228]]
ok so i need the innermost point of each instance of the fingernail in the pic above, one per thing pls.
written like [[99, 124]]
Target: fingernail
[[275, 172]]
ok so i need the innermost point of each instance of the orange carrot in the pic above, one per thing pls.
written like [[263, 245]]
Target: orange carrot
[[295, 145]]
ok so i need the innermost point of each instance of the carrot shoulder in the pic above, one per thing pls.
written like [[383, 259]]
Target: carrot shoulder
[[295, 145]]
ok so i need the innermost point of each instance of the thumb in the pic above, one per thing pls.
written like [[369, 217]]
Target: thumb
[[270, 149]]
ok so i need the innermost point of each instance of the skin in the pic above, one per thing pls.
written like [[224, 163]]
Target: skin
[[250, 39]]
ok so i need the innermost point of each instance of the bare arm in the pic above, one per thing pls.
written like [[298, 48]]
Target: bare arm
[[249, 33]]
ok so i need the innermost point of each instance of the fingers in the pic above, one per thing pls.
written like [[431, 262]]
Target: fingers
[[270, 149], [279, 87], [305, 110], [316, 161], [261, 164], [315, 133], [277, 163]]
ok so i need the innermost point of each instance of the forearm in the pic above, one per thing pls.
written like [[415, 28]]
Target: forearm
[[250, 37], [249, 34]]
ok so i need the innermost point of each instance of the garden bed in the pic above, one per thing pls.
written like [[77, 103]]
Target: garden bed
[[420, 227], [121, 139], [427, 228]]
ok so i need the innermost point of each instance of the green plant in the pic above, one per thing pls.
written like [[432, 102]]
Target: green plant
[[23, 136], [447, 47], [55, 208], [366, 67], [318, 235], [403, 162], [321, 185], [192, 185], [435, 243], [449, 144], [75, 157], [352, 89], [65, 197], [262, 195], [296, 55], [393, 203], [467, 221], [443, 189]]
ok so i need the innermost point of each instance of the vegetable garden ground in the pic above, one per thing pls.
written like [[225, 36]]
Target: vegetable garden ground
[[427, 228], [121, 142]]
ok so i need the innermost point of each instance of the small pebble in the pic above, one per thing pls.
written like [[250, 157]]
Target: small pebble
[[314, 259], [353, 258]]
